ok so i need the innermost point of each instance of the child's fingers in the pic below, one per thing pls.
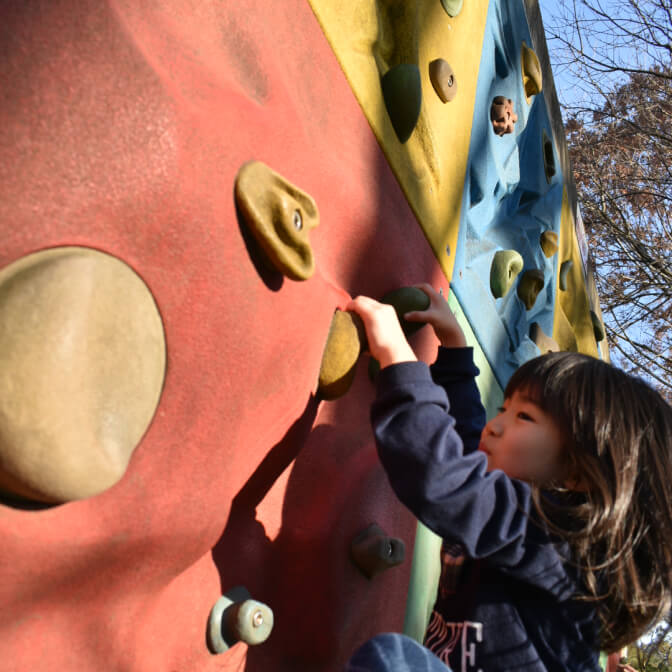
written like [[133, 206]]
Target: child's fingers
[[432, 293], [416, 316]]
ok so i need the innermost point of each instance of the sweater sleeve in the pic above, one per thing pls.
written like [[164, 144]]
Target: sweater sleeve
[[455, 371], [446, 487]]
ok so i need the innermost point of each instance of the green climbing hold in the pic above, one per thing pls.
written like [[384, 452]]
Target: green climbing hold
[[452, 7], [598, 328], [506, 264], [405, 300], [565, 268], [531, 283], [402, 94]]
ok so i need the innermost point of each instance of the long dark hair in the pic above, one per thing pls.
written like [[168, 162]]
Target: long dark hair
[[618, 433]]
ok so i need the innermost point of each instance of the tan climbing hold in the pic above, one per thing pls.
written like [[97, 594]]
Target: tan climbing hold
[[531, 70], [279, 215], [443, 79], [542, 340], [529, 286], [341, 352], [549, 243], [82, 355]]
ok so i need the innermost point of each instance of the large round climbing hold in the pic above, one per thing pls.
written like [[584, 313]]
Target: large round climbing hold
[[506, 265], [402, 93], [82, 355], [529, 286]]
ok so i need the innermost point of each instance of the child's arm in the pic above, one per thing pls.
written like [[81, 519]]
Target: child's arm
[[440, 316]]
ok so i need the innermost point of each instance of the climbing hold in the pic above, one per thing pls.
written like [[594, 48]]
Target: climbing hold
[[544, 342], [531, 69], [372, 551], [83, 358], [279, 215], [506, 264], [565, 268], [529, 286], [402, 94], [502, 115], [452, 7], [443, 79], [549, 243], [341, 352], [549, 159], [236, 617], [405, 300], [598, 327]]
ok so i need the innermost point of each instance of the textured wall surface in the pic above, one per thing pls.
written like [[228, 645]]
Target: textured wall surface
[[123, 126]]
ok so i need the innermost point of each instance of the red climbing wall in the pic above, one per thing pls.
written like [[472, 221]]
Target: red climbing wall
[[122, 127]]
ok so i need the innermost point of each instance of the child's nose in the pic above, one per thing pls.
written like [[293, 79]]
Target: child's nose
[[494, 427]]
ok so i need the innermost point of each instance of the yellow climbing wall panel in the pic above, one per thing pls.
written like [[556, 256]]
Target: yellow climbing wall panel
[[371, 36], [572, 326]]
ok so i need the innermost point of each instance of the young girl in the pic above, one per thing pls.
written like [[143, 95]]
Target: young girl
[[556, 514]]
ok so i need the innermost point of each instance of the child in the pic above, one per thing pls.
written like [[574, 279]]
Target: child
[[559, 508]]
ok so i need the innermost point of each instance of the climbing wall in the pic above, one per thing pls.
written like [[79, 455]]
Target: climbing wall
[[190, 193]]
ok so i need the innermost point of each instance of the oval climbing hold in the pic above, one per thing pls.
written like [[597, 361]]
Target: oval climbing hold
[[565, 268], [344, 344], [443, 79], [236, 617], [402, 93], [506, 265], [531, 70], [549, 243], [405, 300], [372, 551], [529, 286], [279, 215], [83, 361]]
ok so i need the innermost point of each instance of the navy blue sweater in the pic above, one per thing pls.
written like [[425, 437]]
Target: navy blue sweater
[[514, 606]]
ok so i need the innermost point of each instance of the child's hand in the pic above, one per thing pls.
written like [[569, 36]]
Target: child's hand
[[441, 317], [387, 342]]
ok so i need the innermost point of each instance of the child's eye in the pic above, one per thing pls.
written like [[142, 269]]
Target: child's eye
[[501, 409], [524, 416]]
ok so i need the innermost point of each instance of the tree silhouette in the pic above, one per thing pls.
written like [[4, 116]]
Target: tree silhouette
[[619, 133]]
